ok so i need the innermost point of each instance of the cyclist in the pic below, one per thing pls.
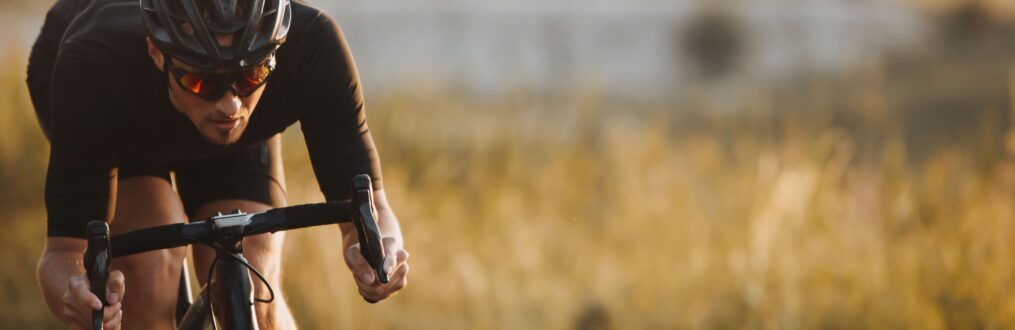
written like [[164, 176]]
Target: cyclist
[[131, 91]]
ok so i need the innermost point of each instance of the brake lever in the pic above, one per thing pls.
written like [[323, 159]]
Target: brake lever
[[97, 265], [364, 217]]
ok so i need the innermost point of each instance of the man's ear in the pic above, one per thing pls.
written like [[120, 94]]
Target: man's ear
[[156, 54]]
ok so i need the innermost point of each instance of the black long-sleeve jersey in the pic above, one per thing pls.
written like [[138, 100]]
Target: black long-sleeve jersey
[[99, 97]]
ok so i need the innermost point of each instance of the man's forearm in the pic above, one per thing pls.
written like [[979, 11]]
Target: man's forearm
[[54, 273]]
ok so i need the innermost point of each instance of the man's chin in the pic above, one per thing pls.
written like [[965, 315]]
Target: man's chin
[[224, 139]]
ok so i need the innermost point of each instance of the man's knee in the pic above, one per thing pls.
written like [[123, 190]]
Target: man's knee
[[143, 202], [265, 253], [151, 287]]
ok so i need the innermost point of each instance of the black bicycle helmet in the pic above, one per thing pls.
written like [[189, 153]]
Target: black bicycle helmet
[[258, 27]]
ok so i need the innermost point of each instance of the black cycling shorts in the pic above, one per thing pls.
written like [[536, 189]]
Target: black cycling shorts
[[252, 174]]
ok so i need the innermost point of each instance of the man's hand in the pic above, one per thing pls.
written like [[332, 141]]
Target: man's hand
[[366, 279], [79, 302]]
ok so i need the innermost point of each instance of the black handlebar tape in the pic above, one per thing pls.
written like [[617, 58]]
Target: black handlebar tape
[[155, 238], [179, 234], [316, 214], [299, 216], [97, 265]]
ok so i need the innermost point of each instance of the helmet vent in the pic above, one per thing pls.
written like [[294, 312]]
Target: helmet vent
[[192, 30]]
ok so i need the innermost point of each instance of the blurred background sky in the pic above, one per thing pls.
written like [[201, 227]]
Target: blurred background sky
[[628, 48], [634, 48]]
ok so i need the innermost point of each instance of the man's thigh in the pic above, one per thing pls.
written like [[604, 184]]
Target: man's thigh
[[151, 278]]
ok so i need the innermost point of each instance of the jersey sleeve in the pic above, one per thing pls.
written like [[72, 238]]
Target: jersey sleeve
[[43, 54], [80, 178], [332, 117]]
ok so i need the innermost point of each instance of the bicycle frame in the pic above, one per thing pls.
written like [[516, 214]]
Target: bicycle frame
[[232, 301], [234, 284]]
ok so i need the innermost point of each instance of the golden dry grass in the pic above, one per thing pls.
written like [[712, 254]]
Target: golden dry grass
[[574, 213]]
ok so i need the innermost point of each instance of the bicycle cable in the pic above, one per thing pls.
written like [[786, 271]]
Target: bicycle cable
[[211, 272]]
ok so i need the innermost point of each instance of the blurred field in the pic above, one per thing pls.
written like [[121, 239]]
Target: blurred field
[[580, 213], [878, 200]]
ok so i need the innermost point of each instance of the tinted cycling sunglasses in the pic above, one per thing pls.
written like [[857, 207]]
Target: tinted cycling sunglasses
[[212, 86]]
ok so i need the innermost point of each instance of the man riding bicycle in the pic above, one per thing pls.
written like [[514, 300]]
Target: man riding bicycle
[[135, 96]]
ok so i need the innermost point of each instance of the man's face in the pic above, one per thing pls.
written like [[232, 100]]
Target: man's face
[[221, 121]]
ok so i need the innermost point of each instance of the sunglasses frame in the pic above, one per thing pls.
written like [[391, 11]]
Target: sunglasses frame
[[178, 74]]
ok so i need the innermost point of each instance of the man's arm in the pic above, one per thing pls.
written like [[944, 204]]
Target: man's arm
[[334, 125], [79, 185]]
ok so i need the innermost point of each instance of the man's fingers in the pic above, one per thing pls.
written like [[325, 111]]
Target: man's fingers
[[397, 284], [371, 296], [391, 243], [350, 254], [393, 277], [359, 266], [398, 277], [113, 316], [365, 277], [77, 315], [80, 303], [392, 246], [389, 263], [115, 323], [393, 264], [81, 294], [110, 311], [378, 292], [394, 260], [115, 287], [398, 280], [402, 255], [70, 314]]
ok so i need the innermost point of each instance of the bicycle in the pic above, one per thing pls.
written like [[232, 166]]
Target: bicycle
[[228, 276]]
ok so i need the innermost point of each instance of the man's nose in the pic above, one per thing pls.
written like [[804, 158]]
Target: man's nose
[[229, 104]]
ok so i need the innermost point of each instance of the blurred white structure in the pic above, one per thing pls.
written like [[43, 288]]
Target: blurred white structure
[[622, 47], [626, 47]]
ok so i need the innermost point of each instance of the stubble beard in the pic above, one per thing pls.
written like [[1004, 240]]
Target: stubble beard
[[216, 137]]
